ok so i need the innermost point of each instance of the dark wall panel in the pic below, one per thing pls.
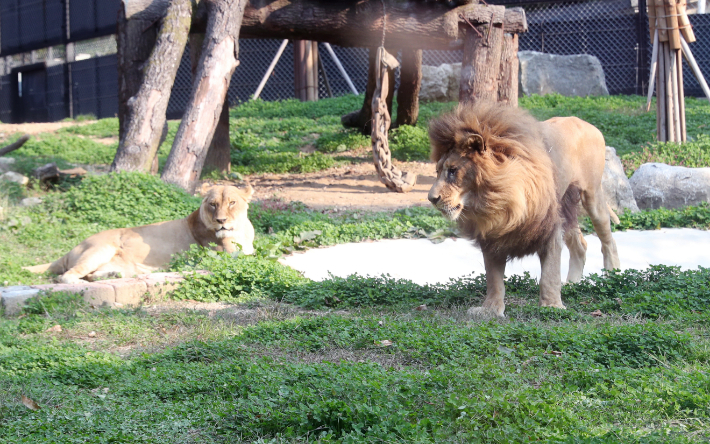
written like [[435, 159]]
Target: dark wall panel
[[30, 24]]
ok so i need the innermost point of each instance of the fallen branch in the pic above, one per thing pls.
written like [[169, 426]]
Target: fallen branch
[[14, 145]]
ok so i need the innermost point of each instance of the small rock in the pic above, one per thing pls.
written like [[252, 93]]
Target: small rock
[[92, 334], [6, 164], [11, 176], [56, 329], [30, 201], [422, 307], [385, 343], [597, 313]]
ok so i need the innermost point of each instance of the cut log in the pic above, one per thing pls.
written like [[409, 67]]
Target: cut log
[[209, 90], [410, 82], [305, 67], [14, 145], [509, 71], [410, 24], [481, 63], [146, 110]]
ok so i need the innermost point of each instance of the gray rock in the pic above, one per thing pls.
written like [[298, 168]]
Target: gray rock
[[11, 176], [6, 164], [573, 75], [440, 83], [658, 185], [617, 189], [30, 201], [14, 298]]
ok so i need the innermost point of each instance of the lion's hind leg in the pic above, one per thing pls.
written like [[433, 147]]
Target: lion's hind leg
[[577, 253], [88, 261], [598, 210]]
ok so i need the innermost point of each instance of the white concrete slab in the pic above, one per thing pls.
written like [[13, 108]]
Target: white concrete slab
[[422, 261]]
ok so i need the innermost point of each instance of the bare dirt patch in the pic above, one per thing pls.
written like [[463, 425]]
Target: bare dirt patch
[[349, 187], [7, 129]]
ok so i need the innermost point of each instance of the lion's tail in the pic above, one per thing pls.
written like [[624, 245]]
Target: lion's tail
[[56, 267], [612, 215]]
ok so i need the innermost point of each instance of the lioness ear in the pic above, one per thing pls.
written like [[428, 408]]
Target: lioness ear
[[204, 188], [474, 142], [247, 192]]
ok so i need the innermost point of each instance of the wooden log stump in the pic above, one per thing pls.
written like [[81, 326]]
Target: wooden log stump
[[410, 82], [217, 64], [509, 71], [480, 68], [146, 110]]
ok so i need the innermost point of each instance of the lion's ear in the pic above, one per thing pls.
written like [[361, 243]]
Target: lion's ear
[[247, 192], [204, 188], [474, 142]]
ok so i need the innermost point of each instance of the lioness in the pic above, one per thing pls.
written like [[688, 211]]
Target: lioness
[[221, 219], [513, 185]]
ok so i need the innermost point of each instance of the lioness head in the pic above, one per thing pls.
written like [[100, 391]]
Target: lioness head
[[224, 209]]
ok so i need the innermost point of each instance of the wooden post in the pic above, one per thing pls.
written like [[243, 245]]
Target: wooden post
[[146, 110], [509, 71], [410, 82], [305, 66], [217, 64], [483, 46]]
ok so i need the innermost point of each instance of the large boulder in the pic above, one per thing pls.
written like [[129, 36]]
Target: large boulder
[[658, 185], [572, 75], [617, 189], [440, 83]]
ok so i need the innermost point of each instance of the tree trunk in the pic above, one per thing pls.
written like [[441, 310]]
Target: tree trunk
[[219, 152], [410, 24], [410, 81], [209, 90], [362, 118], [480, 68], [135, 41], [146, 110], [509, 70]]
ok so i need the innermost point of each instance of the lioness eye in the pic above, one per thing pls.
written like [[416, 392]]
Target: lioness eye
[[231, 203], [452, 171], [213, 205]]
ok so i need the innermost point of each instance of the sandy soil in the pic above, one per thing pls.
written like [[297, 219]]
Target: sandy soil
[[35, 128], [349, 187]]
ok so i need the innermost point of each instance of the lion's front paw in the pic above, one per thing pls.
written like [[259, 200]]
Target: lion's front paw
[[485, 313]]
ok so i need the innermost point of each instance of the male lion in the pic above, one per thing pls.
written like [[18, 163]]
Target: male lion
[[221, 219], [513, 185]]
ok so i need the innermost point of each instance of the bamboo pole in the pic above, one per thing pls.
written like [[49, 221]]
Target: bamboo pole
[[654, 66], [672, 21], [694, 66], [681, 94], [661, 95], [669, 92], [674, 93], [661, 22], [685, 27]]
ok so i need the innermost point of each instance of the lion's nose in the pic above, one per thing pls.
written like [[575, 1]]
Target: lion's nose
[[221, 221], [434, 199]]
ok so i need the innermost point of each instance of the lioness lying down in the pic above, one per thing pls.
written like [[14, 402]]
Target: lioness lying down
[[221, 219], [513, 185]]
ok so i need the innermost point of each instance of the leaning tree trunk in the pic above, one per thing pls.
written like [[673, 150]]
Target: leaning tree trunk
[[209, 90], [146, 110], [362, 118], [480, 67], [135, 41], [410, 82], [219, 152]]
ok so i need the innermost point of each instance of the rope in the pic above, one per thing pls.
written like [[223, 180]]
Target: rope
[[384, 23]]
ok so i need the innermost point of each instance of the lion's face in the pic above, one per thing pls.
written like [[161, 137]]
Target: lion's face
[[224, 208], [452, 190]]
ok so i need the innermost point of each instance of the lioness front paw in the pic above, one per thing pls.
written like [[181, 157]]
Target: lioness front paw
[[485, 313]]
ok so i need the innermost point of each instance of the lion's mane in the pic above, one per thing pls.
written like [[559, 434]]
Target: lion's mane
[[512, 208]]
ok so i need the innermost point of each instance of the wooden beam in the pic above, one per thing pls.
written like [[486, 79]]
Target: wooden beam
[[410, 24]]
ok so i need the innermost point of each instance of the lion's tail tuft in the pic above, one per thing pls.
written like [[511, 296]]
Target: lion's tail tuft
[[612, 215], [38, 268]]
